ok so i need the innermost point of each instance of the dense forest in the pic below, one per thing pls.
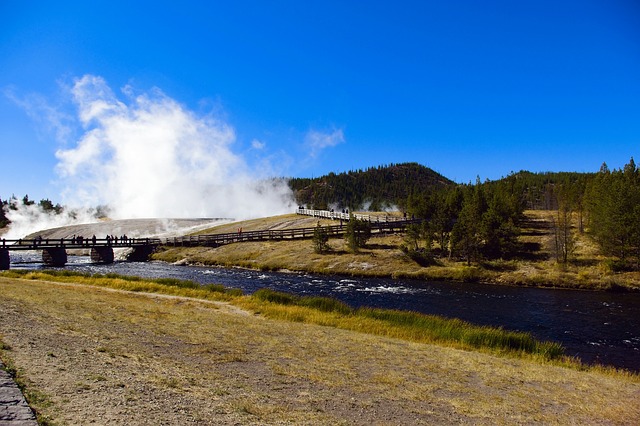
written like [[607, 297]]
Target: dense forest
[[374, 189], [481, 220]]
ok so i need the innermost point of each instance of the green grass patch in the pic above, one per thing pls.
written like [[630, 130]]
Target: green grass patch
[[324, 304], [411, 326], [447, 330], [171, 286]]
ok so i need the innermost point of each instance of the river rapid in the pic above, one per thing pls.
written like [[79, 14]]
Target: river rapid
[[597, 327]]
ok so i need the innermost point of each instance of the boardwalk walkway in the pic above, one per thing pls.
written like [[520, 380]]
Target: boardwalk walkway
[[14, 410], [54, 250], [379, 225]]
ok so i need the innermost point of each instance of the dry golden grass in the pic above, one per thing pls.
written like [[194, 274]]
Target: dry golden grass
[[107, 356], [586, 270]]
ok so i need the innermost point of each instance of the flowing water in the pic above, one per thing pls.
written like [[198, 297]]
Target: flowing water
[[597, 327]]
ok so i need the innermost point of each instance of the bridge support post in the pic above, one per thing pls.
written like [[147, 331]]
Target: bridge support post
[[102, 254], [5, 261], [54, 256], [140, 253]]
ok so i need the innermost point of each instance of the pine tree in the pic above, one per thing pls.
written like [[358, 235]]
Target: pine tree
[[4, 221], [357, 233], [320, 240]]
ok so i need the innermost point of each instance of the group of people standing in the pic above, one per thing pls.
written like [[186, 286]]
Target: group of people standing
[[111, 239]]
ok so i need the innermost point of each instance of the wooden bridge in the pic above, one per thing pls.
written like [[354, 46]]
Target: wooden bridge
[[54, 251]]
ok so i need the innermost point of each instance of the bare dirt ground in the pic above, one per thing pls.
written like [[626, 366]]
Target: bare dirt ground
[[99, 356]]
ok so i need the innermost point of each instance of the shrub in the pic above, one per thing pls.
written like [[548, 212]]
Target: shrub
[[357, 233], [320, 240]]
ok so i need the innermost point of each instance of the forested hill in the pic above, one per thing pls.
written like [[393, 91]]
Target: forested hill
[[375, 187]]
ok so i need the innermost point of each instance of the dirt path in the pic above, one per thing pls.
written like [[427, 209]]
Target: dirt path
[[110, 357]]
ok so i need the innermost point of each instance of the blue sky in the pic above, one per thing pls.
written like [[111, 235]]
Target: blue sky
[[467, 88]]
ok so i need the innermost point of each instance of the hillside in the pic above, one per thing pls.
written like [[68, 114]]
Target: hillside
[[372, 189]]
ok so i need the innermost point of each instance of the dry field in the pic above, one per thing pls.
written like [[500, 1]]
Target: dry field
[[90, 355]]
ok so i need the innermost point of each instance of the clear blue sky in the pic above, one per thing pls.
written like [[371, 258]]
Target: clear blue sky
[[308, 87]]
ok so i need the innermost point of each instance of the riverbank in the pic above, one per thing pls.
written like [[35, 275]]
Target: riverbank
[[383, 257], [89, 354]]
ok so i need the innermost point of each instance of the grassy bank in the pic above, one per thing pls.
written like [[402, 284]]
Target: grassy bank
[[383, 257], [409, 326], [324, 311], [94, 353]]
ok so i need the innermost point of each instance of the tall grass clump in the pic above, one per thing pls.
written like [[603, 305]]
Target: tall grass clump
[[454, 330], [324, 304], [269, 295]]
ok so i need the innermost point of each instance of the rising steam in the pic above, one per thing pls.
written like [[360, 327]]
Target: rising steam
[[147, 156], [151, 157]]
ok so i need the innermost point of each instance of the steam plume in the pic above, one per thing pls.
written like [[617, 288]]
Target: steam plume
[[151, 157]]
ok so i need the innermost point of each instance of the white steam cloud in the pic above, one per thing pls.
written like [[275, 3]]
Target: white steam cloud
[[27, 219], [149, 157]]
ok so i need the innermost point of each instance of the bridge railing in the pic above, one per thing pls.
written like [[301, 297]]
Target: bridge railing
[[379, 224], [215, 240], [328, 214], [74, 243]]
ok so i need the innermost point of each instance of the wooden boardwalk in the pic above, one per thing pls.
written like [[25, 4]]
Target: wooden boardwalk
[[379, 225], [54, 250], [74, 243]]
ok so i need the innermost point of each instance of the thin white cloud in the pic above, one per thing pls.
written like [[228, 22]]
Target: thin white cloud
[[258, 145], [42, 112], [317, 141]]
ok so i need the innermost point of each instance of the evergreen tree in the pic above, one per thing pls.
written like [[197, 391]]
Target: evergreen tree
[[613, 203], [26, 201], [413, 234], [4, 220], [357, 233], [320, 240], [564, 240], [465, 236]]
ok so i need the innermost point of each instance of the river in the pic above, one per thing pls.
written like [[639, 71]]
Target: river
[[597, 327]]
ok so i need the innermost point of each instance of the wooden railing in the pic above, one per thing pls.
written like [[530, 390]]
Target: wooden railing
[[215, 240], [379, 224], [75, 243], [328, 214]]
